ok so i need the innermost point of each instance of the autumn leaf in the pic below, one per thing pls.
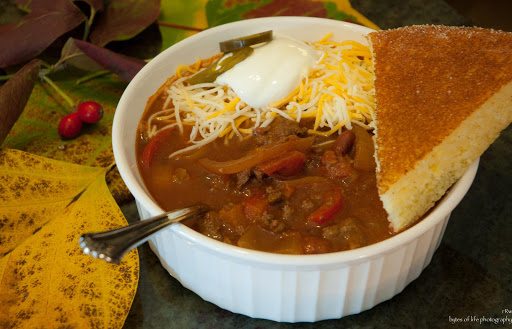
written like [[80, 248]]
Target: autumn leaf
[[181, 19], [325, 9], [224, 11], [123, 19], [220, 12], [26, 4], [36, 129], [124, 66], [75, 57], [45, 279], [289, 8], [14, 95], [46, 21]]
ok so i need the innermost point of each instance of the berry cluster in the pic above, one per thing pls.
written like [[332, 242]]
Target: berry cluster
[[87, 112]]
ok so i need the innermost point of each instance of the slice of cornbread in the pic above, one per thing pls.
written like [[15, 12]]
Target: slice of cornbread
[[443, 96]]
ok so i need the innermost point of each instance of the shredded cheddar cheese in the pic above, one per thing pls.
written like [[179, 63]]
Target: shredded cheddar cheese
[[337, 92]]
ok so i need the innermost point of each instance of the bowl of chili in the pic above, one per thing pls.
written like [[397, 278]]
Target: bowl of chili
[[294, 281]]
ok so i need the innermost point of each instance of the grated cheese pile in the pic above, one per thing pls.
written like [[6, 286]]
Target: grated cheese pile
[[338, 92]]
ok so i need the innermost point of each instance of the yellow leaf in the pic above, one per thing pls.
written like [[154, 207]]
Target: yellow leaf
[[45, 279], [346, 7], [36, 129]]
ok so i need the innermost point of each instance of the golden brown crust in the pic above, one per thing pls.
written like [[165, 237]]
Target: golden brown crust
[[429, 79]]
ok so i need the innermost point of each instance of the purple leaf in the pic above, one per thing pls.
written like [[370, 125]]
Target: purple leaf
[[14, 95], [75, 57], [124, 19], [46, 21], [124, 66], [96, 4]]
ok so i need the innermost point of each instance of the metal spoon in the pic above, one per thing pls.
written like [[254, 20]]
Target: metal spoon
[[111, 246]]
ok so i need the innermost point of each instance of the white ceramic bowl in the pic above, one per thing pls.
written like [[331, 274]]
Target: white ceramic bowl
[[289, 288]]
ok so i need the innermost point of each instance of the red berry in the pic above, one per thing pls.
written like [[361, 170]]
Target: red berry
[[90, 112], [70, 126]]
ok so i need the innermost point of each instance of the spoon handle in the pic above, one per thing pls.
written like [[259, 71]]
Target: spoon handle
[[111, 246]]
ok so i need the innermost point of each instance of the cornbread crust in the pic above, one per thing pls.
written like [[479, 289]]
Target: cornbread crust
[[443, 96]]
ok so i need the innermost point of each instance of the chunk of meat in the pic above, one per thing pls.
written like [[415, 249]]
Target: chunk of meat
[[278, 129], [287, 212], [242, 177], [210, 226], [348, 231], [258, 174], [218, 182], [308, 204], [274, 195], [276, 226]]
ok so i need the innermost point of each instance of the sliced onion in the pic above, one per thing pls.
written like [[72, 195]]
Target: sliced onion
[[257, 156]]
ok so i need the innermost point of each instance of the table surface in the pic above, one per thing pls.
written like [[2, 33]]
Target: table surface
[[469, 275]]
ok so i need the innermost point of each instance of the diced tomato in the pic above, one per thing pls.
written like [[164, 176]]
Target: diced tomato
[[336, 167], [333, 203], [255, 207], [329, 158], [151, 149], [288, 164]]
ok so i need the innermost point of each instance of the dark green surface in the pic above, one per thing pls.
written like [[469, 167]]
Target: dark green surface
[[470, 274]]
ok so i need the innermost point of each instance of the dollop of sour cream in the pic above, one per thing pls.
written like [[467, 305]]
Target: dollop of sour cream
[[271, 72]]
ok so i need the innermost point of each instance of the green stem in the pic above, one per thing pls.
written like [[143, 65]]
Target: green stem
[[92, 76], [6, 77], [59, 91], [48, 66], [88, 23], [60, 61], [181, 27], [24, 9], [47, 69]]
